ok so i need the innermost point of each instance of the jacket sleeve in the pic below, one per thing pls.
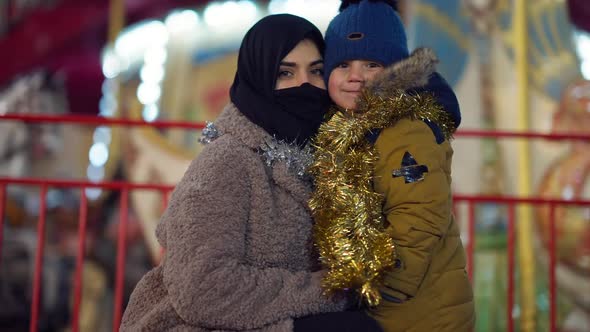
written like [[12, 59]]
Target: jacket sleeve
[[204, 231], [418, 210]]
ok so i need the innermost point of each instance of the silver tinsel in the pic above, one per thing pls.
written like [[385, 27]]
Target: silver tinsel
[[209, 134], [297, 159]]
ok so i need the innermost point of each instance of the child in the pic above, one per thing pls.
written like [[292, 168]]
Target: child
[[382, 203]]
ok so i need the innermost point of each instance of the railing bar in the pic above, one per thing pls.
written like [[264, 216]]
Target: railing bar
[[88, 184], [2, 217], [121, 255], [511, 255], [165, 198], [165, 201], [97, 121], [471, 237], [475, 133], [552, 265], [82, 222], [145, 186], [520, 200], [38, 273]]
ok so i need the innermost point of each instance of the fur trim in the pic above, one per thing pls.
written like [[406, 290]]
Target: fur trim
[[232, 121], [411, 72]]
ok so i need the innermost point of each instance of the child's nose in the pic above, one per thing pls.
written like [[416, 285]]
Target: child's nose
[[355, 74]]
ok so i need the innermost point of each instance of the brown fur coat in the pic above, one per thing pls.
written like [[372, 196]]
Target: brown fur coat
[[238, 245]]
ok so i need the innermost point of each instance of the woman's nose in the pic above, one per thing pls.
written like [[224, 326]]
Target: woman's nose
[[303, 78]]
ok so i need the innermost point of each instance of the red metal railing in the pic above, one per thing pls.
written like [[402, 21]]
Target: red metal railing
[[44, 184], [94, 120], [125, 188], [82, 223], [472, 200], [2, 205]]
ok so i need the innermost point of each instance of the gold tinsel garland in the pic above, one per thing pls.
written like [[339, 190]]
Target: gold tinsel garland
[[349, 222]]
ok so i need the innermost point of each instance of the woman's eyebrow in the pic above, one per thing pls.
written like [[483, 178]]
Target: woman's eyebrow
[[294, 64], [288, 64]]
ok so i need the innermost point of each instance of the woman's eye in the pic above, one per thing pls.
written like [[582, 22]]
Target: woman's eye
[[284, 73], [318, 71]]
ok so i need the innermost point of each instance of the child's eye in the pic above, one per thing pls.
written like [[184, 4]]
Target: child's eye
[[342, 65], [374, 65]]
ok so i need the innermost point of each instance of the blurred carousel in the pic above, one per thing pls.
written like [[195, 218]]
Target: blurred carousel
[[482, 44], [179, 67], [569, 177]]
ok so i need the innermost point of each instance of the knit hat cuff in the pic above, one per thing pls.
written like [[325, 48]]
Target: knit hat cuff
[[339, 50]]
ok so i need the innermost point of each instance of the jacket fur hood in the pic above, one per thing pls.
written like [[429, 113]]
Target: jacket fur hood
[[417, 74], [411, 72]]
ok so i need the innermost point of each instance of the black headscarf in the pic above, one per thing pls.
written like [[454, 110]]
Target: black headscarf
[[292, 114]]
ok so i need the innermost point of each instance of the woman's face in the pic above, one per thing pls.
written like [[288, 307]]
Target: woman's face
[[303, 64]]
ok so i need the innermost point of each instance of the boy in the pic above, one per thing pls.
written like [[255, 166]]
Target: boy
[[383, 202]]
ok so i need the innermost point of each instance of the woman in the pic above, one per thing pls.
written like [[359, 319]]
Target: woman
[[237, 231]]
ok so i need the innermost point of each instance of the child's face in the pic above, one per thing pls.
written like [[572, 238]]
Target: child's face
[[348, 79], [303, 64]]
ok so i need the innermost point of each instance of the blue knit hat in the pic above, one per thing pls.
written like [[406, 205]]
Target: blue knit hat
[[367, 30]]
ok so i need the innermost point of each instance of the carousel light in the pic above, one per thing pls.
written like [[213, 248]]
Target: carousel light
[[98, 154], [150, 112], [131, 45], [93, 193], [277, 6], [107, 105], [94, 173], [286, 6], [108, 86], [582, 40], [318, 12], [155, 55], [568, 193], [586, 69], [152, 73], [248, 10], [230, 14], [180, 21], [213, 14], [583, 45], [110, 65], [102, 134], [148, 93]]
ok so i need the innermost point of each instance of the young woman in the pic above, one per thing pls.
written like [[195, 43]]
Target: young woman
[[237, 231]]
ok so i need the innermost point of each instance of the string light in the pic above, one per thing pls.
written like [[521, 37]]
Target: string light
[[582, 40]]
